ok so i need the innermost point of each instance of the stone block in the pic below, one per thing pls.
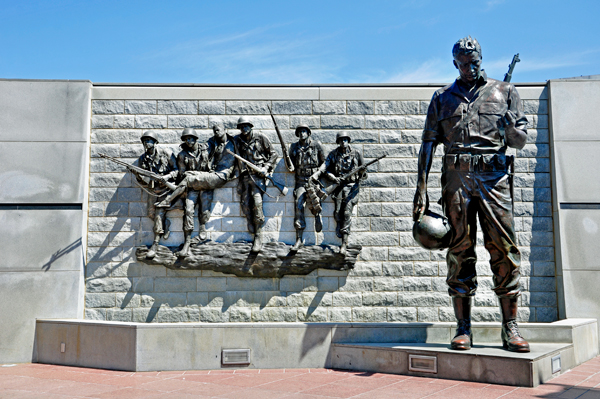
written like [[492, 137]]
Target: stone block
[[313, 122], [150, 122], [397, 107], [292, 107], [329, 107], [101, 300], [177, 107], [415, 121], [124, 121], [108, 106], [165, 299], [417, 284], [369, 314], [127, 300], [388, 284], [102, 121], [274, 314], [385, 122], [183, 121], [360, 107], [427, 314], [312, 314], [140, 107], [342, 122], [402, 314], [247, 107], [175, 284], [380, 299], [211, 108], [347, 299]]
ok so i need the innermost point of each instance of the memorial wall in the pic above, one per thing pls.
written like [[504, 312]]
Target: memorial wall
[[393, 280]]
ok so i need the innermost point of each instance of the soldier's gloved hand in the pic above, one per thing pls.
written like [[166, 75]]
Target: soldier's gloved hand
[[420, 203], [315, 176], [262, 172], [509, 119], [334, 178]]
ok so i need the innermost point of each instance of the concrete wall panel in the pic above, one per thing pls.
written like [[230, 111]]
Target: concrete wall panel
[[43, 172], [41, 240], [575, 108], [30, 295], [44, 110], [580, 230]]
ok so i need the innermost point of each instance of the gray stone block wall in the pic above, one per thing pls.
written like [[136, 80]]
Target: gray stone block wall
[[394, 280]]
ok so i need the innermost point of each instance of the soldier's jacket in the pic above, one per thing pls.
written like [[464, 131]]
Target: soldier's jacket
[[192, 161], [221, 162], [258, 150], [482, 133], [162, 162], [339, 163], [307, 158]]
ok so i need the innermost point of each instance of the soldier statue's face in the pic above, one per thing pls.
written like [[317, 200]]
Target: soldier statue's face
[[469, 66], [190, 141], [219, 133], [246, 130], [148, 144], [344, 142], [303, 134]]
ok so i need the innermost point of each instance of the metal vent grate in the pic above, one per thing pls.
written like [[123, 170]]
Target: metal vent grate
[[423, 364], [556, 364], [235, 356]]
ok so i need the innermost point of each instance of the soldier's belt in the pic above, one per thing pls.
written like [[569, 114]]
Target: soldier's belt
[[306, 172], [477, 163]]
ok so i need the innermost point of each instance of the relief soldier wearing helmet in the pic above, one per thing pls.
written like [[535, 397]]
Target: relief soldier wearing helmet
[[306, 155], [162, 162], [256, 149], [340, 161]]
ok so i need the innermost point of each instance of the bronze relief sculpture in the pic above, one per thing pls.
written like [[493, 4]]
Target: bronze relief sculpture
[[476, 118]]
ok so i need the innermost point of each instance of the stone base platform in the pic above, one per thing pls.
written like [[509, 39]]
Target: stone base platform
[[380, 347], [488, 363]]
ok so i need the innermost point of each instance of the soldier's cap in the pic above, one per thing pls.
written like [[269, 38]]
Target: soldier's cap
[[149, 135], [342, 135], [244, 121], [188, 131], [302, 126]]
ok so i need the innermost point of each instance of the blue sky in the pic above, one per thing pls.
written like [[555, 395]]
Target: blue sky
[[290, 42]]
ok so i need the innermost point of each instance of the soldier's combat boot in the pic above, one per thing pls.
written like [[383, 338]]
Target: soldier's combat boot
[[152, 251], [344, 247], [167, 233], [202, 233], [463, 339], [257, 244], [318, 223], [299, 244], [511, 337], [185, 251]]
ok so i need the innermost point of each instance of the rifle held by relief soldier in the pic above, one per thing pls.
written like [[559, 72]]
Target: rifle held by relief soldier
[[286, 156], [280, 187], [140, 171]]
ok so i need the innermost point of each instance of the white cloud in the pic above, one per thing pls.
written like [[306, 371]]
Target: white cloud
[[253, 56], [431, 71]]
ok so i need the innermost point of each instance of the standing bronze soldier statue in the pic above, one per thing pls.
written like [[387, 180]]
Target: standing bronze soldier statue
[[306, 156], [220, 167], [161, 162], [256, 149], [476, 119], [340, 162]]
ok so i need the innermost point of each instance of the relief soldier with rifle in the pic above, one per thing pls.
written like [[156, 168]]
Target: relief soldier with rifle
[[157, 167], [219, 170], [257, 150], [306, 157], [476, 118], [338, 164]]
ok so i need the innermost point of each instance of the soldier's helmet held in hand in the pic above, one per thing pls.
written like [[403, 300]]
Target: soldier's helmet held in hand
[[149, 134], [342, 135], [302, 126], [188, 131], [432, 231], [244, 121]]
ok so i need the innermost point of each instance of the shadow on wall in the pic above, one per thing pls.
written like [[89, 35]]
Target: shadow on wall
[[62, 252]]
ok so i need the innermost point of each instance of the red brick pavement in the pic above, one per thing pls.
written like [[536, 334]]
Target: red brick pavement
[[61, 382]]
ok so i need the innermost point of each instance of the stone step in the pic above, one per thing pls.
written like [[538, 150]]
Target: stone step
[[486, 363]]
